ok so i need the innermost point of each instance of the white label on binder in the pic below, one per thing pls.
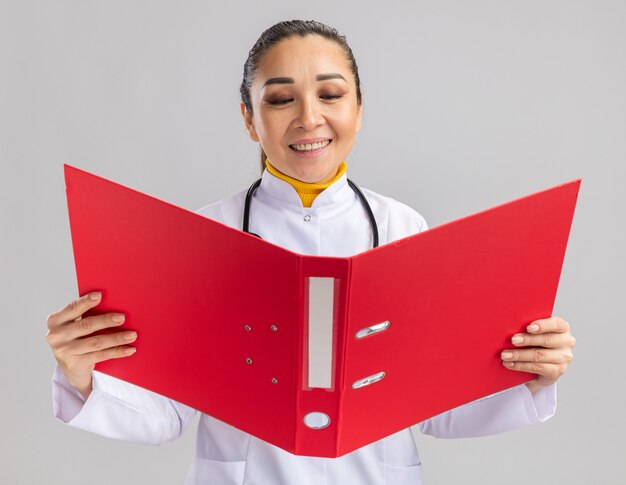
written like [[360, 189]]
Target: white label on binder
[[321, 309]]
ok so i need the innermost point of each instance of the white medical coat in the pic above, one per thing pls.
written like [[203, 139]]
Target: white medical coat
[[335, 225]]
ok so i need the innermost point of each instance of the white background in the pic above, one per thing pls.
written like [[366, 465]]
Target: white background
[[466, 105]]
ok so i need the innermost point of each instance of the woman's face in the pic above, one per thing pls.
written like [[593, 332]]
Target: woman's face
[[304, 92]]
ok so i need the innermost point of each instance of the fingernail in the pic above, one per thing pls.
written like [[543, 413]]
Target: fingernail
[[130, 336], [508, 363], [131, 351], [533, 328], [96, 295], [507, 355], [119, 318], [518, 339]]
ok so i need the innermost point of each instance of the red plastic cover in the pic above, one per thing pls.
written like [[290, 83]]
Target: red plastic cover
[[222, 316]]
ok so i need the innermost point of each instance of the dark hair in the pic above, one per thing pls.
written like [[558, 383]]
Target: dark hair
[[284, 30]]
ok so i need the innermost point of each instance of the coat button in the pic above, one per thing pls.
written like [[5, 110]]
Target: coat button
[[307, 218]]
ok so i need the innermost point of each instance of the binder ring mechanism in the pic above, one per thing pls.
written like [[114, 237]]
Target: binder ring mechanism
[[366, 332], [373, 329], [318, 420], [368, 380]]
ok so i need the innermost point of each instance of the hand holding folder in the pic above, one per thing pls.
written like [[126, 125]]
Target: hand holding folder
[[226, 326]]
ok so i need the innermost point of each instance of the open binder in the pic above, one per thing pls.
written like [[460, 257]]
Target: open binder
[[416, 326]]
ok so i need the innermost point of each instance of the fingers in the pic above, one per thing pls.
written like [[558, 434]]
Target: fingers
[[547, 372], [64, 334], [540, 355], [111, 353], [553, 332], [78, 356], [74, 309], [547, 340], [549, 363], [546, 325], [89, 325], [97, 343], [77, 343], [545, 350]]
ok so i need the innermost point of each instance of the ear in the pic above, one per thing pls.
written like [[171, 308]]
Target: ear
[[359, 116], [247, 119]]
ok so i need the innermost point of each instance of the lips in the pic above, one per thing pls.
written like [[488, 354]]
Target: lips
[[310, 144]]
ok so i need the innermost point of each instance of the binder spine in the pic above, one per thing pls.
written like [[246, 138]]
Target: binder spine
[[324, 285]]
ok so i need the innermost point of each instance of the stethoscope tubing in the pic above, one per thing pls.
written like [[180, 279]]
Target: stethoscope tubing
[[353, 186]]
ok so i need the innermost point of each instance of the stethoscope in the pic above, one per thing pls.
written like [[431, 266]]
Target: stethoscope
[[353, 186]]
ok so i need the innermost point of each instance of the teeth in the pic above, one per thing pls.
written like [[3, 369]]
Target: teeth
[[310, 146]]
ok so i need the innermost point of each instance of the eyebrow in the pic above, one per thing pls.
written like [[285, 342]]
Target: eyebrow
[[290, 80]]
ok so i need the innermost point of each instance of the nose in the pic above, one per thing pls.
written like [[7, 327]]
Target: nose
[[310, 114]]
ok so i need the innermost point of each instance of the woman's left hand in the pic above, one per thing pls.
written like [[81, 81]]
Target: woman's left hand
[[546, 350]]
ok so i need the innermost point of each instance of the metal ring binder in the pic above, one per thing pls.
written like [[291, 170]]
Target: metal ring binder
[[367, 331], [368, 380]]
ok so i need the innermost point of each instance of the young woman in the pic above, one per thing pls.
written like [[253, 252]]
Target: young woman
[[301, 100]]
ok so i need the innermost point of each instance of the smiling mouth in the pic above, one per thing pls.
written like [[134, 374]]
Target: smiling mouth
[[309, 147]]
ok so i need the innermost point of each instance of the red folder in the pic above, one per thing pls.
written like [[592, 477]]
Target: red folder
[[222, 316]]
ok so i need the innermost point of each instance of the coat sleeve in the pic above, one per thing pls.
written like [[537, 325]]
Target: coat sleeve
[[120, 410], [504, 411]]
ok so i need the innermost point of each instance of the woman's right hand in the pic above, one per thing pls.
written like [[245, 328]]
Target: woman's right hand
[[75, 347]]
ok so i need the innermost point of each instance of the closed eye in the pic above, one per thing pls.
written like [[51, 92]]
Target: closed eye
[[279, 101], [285, 101]]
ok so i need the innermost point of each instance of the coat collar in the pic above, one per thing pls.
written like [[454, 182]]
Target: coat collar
[[274, 187]]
